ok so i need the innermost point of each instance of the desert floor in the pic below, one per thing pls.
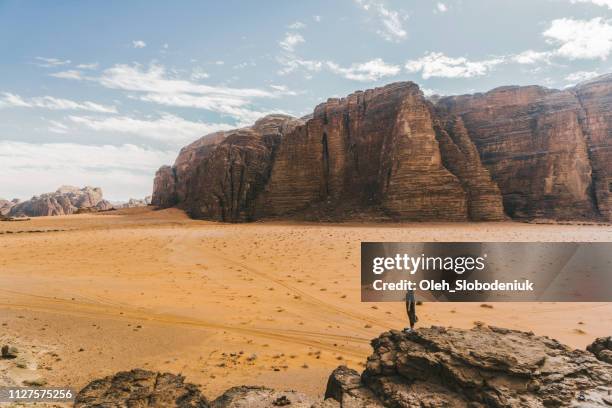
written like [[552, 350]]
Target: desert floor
[[266, 303]]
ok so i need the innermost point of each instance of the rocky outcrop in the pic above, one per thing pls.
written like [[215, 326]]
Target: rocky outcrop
[[134, 203], [260, 397], [431, 367], [523, 152], [66, 200], [602, 349], [482, 367], [140, 388], [6, 205]]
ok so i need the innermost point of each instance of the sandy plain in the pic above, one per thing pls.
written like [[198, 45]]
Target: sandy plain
[[265, 303]]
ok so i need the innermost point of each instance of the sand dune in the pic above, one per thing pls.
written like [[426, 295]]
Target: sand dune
[[266, 303]]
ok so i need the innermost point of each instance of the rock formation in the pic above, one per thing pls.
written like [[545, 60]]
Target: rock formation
[[247, 397], [482, 367], [134, 203], [602, 349], [6, 205], [434, 367], [66, 200], [524, 152], [140, 388]]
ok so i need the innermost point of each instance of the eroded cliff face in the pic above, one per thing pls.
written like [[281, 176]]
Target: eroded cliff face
[[220, 175], [225, 185], [524, 152], [533, 142], [595, 98]]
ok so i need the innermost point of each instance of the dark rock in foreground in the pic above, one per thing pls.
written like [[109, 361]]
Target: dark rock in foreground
[[602, 349], [434, 367], [140, 388], [239, 397], [482, 367]]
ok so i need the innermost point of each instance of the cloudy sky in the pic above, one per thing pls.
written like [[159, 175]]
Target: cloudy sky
[[104, 92]]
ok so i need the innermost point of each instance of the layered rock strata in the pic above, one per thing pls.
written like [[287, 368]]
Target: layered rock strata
[[523, 152]]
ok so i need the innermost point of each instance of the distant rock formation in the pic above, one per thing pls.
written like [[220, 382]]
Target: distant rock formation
[[431, 367], [6, 205], [523, 152], [66, 200], [134, 203]]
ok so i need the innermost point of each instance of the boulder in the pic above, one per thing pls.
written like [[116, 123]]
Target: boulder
[[140, 388], [261, 397], [483, 367], [602, 349]]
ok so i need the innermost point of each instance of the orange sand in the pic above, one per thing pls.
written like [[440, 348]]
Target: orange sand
[[100, 293]]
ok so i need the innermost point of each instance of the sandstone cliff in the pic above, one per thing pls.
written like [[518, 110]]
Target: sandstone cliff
[[66, 200], [430, 367], [524, 152]]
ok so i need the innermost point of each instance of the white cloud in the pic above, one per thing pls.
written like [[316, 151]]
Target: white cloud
[[9, 100], [57, 127], [580, 76], [603, 3], [244, 65], [297, 25], [581, 39], [51, 62], [436, 64], [154, 84], [225, 106], [392, 25], [139, 44], [430, 92], [290, 41], [293, 63], [441, 7], [372, 70], [317, 18], [155, 79], [167, 128], [160, 88], [532, 57], [70, 74], [93, 65], [122, 171], [199, 73]]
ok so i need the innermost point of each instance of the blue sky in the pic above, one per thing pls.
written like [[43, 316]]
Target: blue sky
[[104, 92]]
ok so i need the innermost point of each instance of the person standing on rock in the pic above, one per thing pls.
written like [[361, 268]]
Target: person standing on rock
[[411, 310]]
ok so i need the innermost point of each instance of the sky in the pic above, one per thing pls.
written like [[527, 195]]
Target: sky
[[102, 93]]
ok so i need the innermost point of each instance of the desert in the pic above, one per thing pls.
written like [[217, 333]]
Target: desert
[[272, 303]]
